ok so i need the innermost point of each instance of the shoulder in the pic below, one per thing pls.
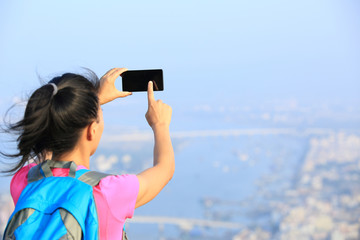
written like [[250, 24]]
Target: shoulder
[[119, 190], [127, 184], [19, 181]]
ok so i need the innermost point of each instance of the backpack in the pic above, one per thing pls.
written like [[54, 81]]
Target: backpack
[[52, 207]]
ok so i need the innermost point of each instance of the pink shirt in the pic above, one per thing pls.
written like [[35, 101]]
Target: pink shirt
[[115, 198]]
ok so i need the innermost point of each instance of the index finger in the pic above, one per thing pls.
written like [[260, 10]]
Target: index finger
[[118, 71], [150, 92], [115, 72]]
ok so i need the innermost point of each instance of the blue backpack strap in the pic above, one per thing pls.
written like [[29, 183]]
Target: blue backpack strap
[[91, 177], [59, 164], [81, 172], [35, 174], [44, 169]]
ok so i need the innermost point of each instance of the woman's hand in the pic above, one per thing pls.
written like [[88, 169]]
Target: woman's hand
[[158, 113], [107, 90]]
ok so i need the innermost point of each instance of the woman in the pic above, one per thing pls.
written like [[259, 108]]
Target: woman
[[63, 119]]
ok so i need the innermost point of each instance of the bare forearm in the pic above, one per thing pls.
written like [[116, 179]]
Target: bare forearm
[[163, 150], [154, 179]]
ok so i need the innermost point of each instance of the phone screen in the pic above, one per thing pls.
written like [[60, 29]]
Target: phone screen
[[137, 80]]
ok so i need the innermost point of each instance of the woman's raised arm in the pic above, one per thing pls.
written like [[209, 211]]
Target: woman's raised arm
[[154, 179]]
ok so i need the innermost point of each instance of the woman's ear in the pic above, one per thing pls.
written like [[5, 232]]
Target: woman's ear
[[91, 131]]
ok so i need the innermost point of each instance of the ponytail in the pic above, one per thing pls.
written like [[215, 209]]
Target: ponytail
[[54, 117]]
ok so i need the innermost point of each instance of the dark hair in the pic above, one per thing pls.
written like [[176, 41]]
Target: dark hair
[[53, 122]]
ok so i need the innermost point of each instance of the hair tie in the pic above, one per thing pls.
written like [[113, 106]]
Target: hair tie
[[55, 88]]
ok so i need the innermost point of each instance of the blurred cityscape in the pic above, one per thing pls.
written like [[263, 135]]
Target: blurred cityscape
[[324, 200], [277, 182]]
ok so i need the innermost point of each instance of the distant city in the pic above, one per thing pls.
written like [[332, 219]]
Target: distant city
[[324, 200], [285, 181]]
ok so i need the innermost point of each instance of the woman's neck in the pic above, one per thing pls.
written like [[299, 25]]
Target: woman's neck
[[82, 151], [78, 155]]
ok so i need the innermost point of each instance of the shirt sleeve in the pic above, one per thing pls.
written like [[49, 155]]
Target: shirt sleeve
[[120, 193], [19, 182]]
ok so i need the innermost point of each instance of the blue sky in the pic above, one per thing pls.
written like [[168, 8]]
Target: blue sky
[[212, 52]]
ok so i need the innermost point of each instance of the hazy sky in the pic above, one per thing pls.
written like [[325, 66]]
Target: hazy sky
[[212, 52]]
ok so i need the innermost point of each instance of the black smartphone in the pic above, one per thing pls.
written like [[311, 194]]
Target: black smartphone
[[137, 80]]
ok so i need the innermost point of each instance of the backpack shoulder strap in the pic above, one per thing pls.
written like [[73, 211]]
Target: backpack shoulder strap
[[92, 177], [35, 174], [44, 169]]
